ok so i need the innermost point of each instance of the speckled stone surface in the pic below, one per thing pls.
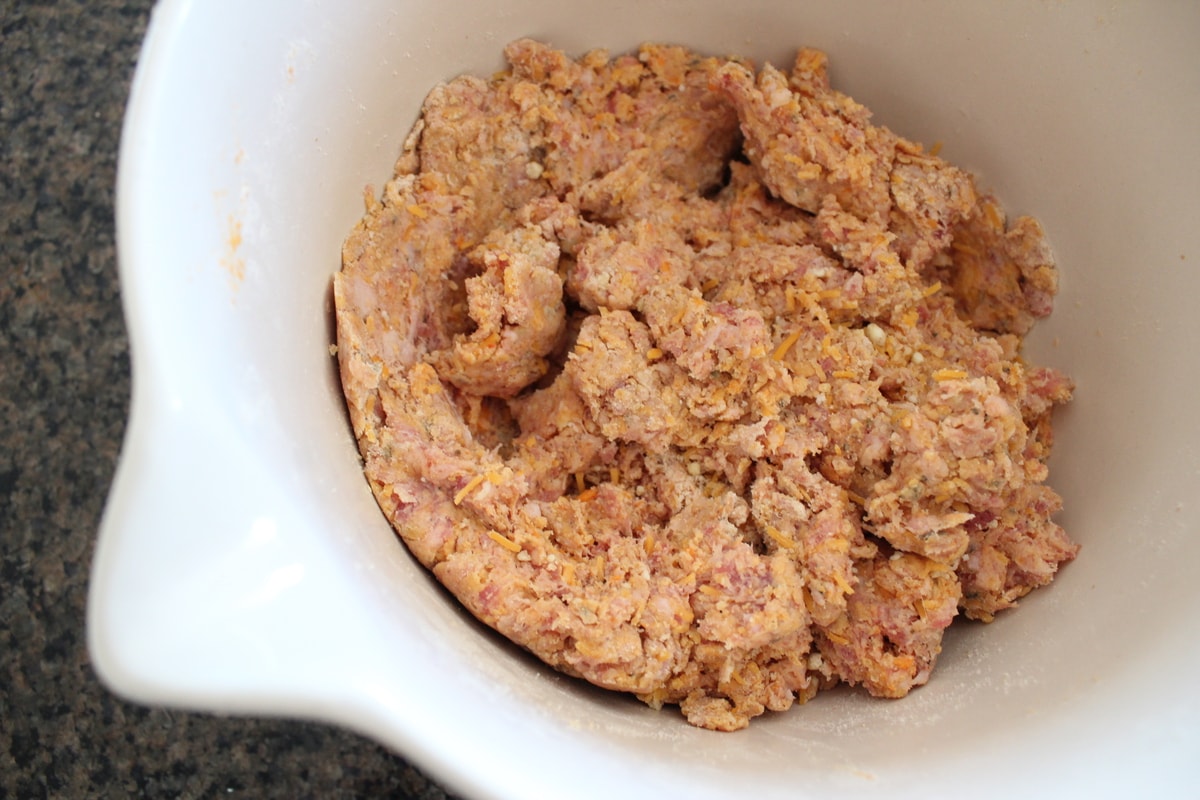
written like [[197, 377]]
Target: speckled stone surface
[[65, 69]]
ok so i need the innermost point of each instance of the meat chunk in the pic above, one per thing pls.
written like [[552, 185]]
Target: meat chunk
[[516, 303], [1003, 277], [891, 633], [810, 144], [631, 399]]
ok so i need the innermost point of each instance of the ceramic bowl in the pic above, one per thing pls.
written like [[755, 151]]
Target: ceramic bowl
[[242, 563]]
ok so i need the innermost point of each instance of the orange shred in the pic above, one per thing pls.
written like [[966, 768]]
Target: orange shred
[[504, 541], [466, 490], [786, 345], [781, 539]]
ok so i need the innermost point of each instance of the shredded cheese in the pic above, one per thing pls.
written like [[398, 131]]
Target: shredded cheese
[[504, 541], [816, 309], [781, 539], [417, 211], [466, 490], [786, 345], [949, 374], [589, 650], [827, 344], [473, 413], [994, 216], [921, 609]]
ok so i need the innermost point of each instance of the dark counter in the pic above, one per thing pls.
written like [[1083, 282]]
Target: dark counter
[[64, 395]]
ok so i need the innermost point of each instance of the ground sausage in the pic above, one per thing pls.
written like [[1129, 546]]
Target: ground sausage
[[697, 383]]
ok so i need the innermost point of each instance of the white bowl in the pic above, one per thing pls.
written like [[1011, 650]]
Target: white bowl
[[244, 567]]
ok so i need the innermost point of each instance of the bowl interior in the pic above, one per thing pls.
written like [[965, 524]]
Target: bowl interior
[[243, 565]]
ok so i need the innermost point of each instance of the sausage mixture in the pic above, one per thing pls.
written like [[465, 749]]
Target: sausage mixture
[[697, 384]]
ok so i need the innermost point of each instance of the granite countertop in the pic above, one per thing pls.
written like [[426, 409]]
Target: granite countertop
[[65, 69]]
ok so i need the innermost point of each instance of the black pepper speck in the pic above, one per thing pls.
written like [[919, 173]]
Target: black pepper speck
[[65, 69]]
